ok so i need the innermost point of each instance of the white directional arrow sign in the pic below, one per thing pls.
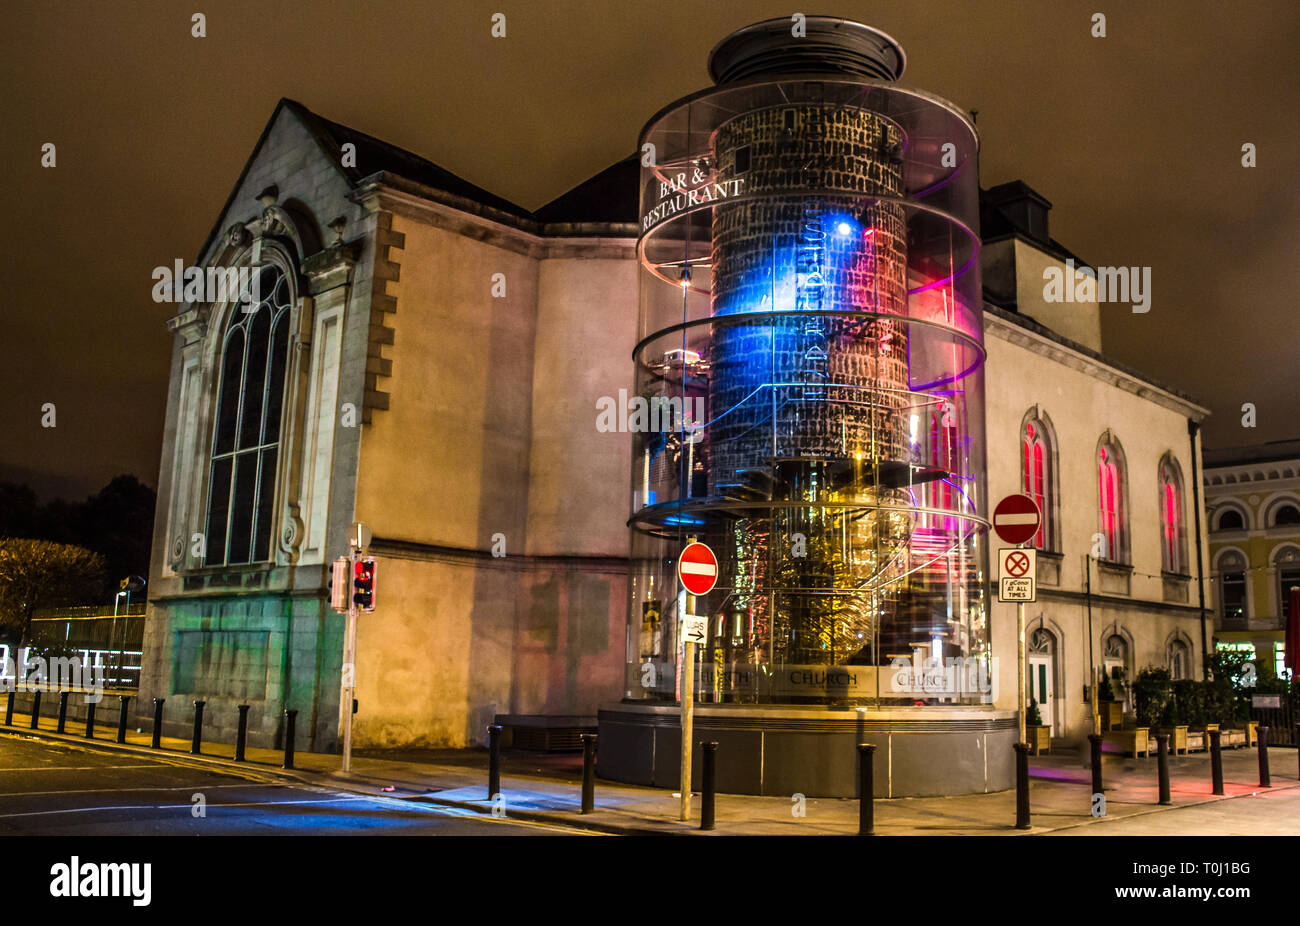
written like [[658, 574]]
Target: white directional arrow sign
[[695, 628]]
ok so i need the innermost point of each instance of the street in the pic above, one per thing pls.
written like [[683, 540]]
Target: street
[[58, 790]]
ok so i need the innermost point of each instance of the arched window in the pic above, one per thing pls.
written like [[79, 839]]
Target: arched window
[[1285, 514], [1232, 586], [1231, 520], [1173, 537], [1112, 502], [1180, 660], [246, 432], [1038, 477], [1287, 565]]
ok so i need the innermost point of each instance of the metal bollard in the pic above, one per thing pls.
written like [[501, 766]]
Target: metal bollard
[[708, 794], [1216, 762], [157, 722], [1162, 766], [290, 730], [1094, 742], [90, 720], [121, 717], [63, 712], [241, 736], [197, 740], [588, 772], [1264, 780], [9, 710], [866, 790], [494, 761], [1022, 786], [36, 707]]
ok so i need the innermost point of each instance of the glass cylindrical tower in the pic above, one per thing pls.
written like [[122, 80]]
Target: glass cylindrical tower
[[810, 361], [810, 368]]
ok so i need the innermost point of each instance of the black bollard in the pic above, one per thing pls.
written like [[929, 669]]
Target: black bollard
[[707, 795], [1022, 785], [36, 707], [588, 772], [9, 710], [63, 712], [241, 735], [1162, 766], [197, 741], [866, 790], [1264, 780], [90, 720], [1094, 741], [121, 717], [290, 732], [1216, 762], [157, 722], [494, 761], [1296, 741]]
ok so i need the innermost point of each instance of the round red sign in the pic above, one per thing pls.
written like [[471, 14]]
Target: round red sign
[[697, 567], [1016, 518]]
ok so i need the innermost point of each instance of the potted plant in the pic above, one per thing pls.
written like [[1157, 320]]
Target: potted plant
[[1038, 735], [1171, 724], [1112, 714]]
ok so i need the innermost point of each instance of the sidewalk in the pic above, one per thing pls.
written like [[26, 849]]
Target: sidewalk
[[546, 787]]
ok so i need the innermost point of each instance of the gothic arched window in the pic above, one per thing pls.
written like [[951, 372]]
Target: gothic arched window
[[1112, 503], [1173, 538], [246, 432], [1038, 477], [1180, 660]]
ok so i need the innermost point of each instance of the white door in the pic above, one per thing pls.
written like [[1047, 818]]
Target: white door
[[1040, 687]]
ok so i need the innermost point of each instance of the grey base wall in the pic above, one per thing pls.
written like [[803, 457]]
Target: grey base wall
[[813, 751]]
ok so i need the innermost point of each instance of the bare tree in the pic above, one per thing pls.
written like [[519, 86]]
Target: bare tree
[[41, 574]]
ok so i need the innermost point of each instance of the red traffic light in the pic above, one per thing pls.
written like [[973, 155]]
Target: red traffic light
[[363, 583]]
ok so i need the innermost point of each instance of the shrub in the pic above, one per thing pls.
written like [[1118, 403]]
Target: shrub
[[1032, 716], [1152, 693]]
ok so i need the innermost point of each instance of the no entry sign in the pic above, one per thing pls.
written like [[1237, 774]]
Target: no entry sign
[[1016, 518], [697, 567]]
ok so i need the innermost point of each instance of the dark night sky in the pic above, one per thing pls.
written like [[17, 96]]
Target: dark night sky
[[1135, 138]]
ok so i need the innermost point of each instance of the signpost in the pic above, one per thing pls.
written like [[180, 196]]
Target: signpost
[[697, 568], [1016, 519]]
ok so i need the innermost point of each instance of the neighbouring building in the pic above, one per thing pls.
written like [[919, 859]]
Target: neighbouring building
[[1252, 499], [433, 360]]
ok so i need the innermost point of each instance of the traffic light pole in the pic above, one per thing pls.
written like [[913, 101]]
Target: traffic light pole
[[349, 664]]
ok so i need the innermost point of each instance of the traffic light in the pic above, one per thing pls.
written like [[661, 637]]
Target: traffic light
[[339, 584], [363, 584]]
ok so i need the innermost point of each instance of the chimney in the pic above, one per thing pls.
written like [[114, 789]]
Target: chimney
[[1022, 207]]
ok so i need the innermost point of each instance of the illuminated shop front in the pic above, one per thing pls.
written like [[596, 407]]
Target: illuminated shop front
[[809, 279]]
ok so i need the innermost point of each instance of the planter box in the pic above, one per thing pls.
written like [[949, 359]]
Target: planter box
[[1112, 715], [1198, 738], [1252, 736], [1039, 738], [1130, 741], [1232, 738], [1177, 739]]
